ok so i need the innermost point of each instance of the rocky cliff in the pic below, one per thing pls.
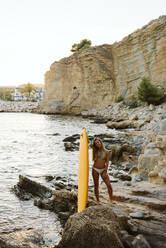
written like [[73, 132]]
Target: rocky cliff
[[96, 76]]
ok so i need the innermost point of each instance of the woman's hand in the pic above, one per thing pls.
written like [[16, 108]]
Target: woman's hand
[[106, 165]]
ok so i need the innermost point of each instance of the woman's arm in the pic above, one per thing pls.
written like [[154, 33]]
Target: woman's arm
[[107, 160]]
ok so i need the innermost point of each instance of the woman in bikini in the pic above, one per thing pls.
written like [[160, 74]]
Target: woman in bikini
[[100, 166]]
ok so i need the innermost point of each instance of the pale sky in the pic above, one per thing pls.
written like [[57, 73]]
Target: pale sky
[[35, 33]]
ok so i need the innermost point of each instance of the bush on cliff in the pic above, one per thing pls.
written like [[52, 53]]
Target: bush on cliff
[[82, 45], [149, 93]]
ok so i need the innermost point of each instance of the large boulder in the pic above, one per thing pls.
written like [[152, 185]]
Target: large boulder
[[147, 163], [96, 226], [153, 162], [119, 125]]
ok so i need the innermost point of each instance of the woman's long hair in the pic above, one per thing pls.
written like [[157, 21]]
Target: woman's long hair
[[95, 149]]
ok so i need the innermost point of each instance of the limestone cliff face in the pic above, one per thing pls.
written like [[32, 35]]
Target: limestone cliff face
[[96, 76]]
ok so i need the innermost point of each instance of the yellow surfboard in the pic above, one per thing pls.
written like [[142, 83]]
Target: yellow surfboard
[[83, 172]]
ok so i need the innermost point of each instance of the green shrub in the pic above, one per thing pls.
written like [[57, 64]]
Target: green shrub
[[149, 93], [119, 99], [132, 104], [82, 45]]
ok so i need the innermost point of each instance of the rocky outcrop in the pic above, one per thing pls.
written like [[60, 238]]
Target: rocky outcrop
[[96, 76], [152, 162]]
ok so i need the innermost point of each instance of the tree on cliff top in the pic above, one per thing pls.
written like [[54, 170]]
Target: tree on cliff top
[[82, 45], [149, 93]]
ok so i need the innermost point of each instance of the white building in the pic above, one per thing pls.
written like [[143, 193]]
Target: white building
[[17, 94]]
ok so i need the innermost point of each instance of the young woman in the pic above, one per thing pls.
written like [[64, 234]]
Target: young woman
[[100, 166]]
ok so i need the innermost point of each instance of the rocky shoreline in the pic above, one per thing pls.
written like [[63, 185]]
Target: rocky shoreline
[[138, 175], [19, 106], [138, 219]]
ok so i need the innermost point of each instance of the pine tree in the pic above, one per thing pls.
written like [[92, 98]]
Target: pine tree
[[149, 93]]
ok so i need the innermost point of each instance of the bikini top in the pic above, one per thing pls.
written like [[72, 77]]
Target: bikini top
[[102, 155]]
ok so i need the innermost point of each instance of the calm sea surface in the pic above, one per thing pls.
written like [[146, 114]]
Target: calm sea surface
[[32, 145]]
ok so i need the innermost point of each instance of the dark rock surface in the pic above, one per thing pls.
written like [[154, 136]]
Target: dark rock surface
[[84, 230]]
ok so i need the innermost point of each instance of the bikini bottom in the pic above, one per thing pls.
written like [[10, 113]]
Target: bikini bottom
[[100, 171]]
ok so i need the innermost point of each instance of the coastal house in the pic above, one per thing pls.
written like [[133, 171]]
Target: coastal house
[[35, 95], [17, 95]]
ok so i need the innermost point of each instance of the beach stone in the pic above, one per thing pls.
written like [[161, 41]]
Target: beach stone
[[162, 125], [119, 125], [137, 178], [151, 107], [137, 215], [125, 177], [96, 226]]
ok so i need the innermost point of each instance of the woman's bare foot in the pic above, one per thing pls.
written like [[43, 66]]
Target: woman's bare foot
[[112, 202]]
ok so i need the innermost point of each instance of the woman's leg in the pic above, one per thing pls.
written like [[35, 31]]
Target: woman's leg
[[106, 179], [95, 175]]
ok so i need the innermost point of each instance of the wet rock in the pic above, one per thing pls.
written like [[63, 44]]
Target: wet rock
[[49, 178], [61, 201], [59, 185], [100, 222], [68, 146], [127, 239], [64, 215], [21, 193], [20, 239], [72, 138], [71, 146], [34, 188], [140, 242]]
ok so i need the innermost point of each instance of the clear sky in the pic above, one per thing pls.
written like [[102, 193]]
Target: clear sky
[[35, 33]]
